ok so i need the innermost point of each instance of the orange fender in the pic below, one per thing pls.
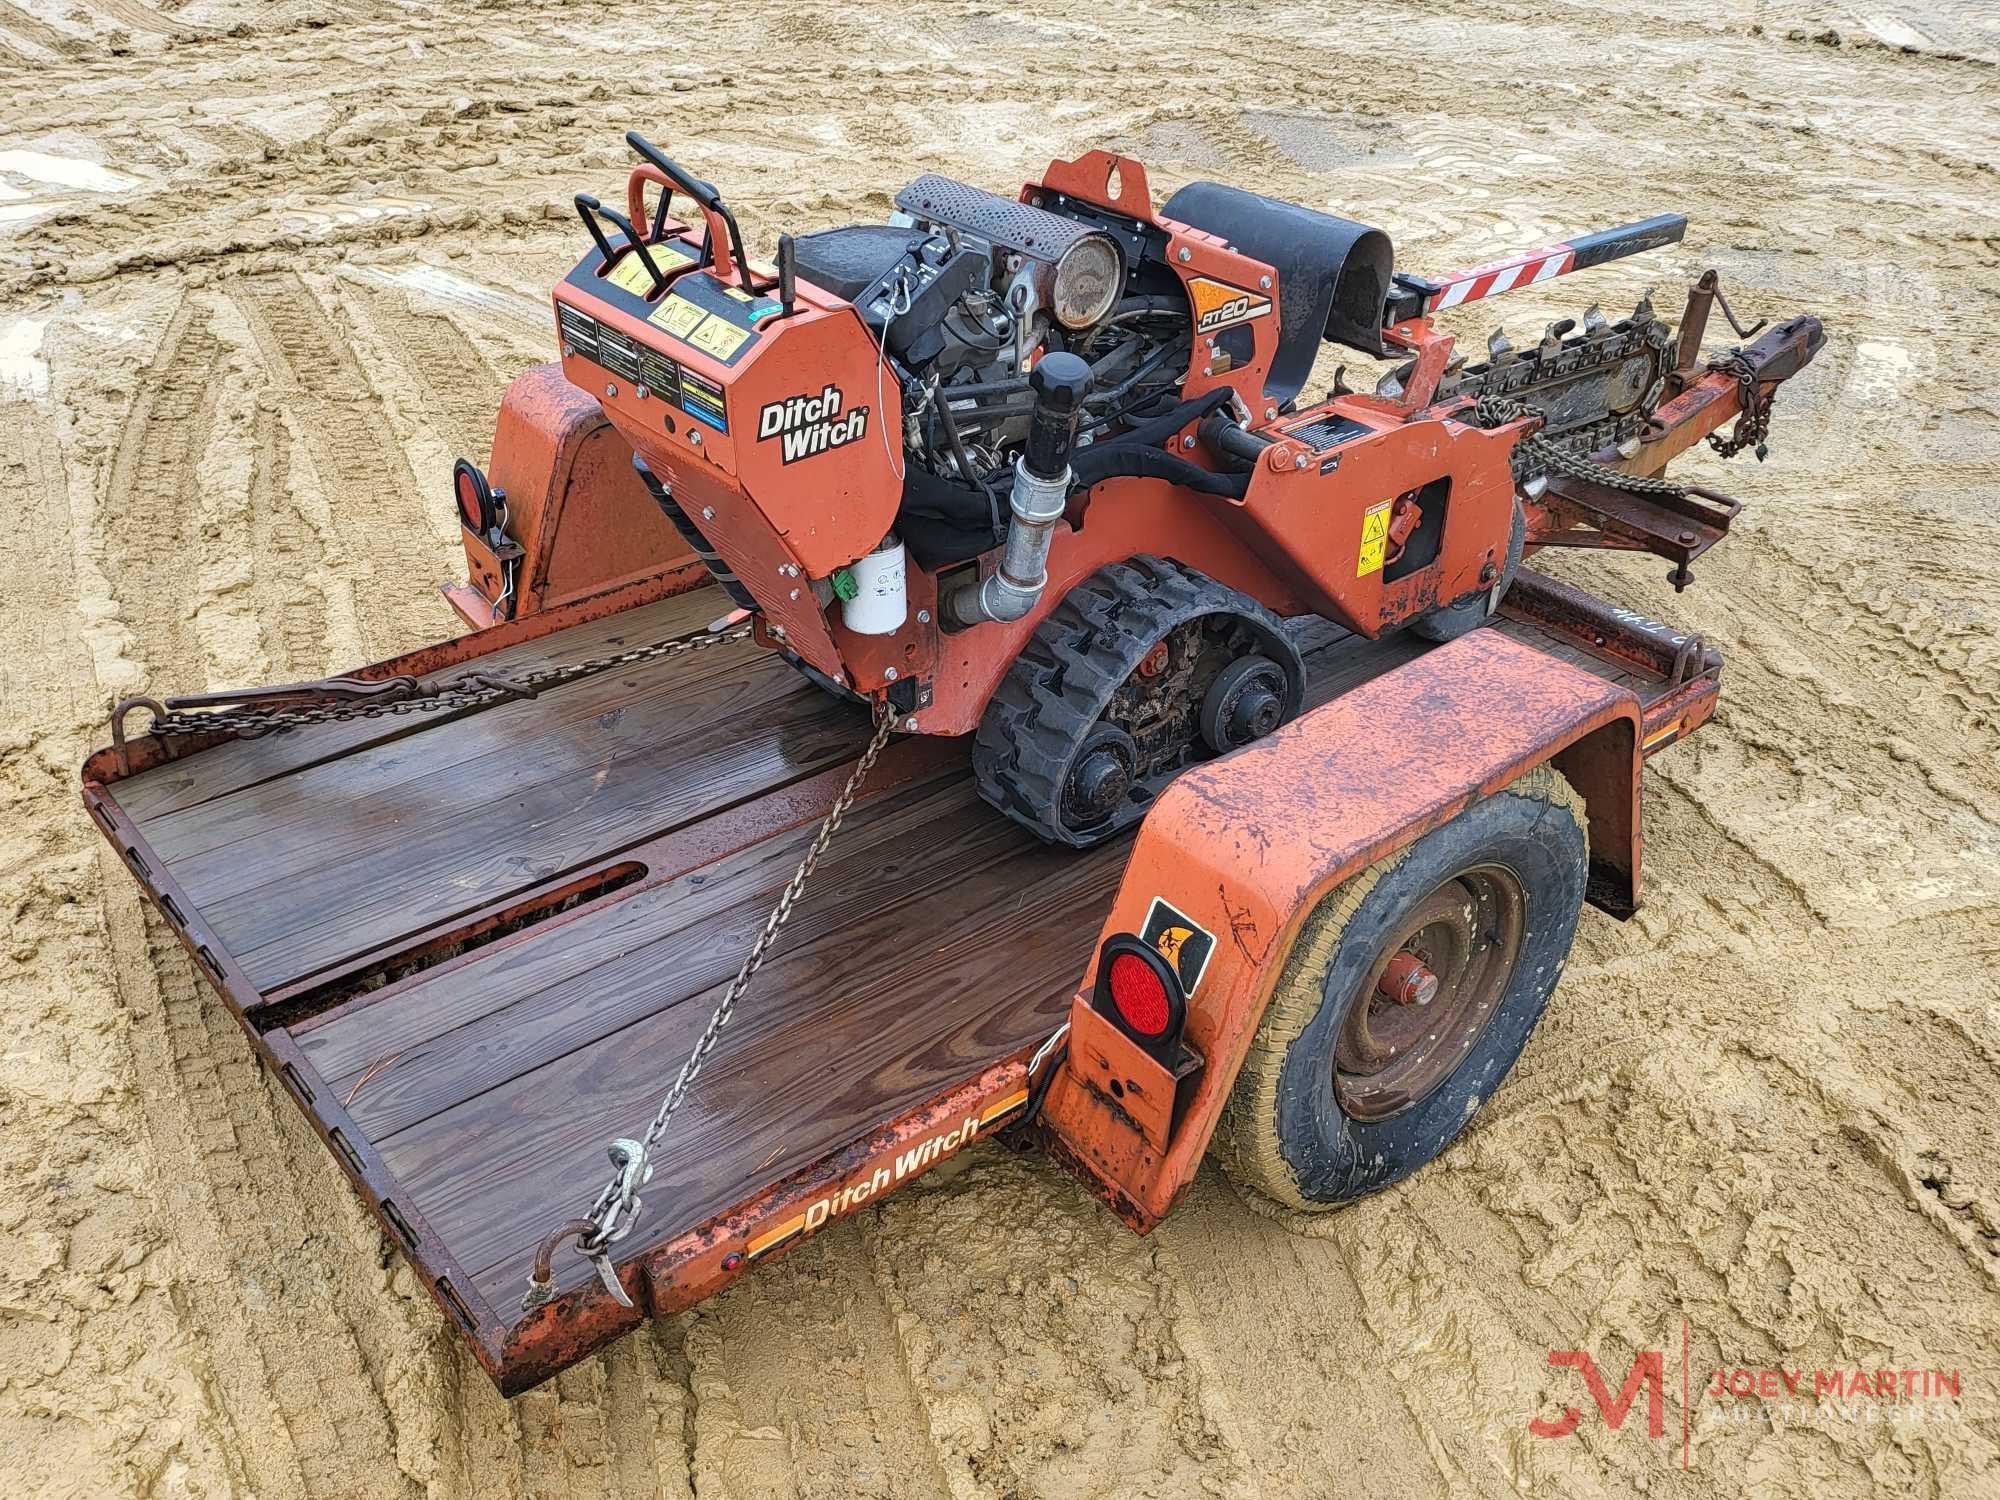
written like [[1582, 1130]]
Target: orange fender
[[1243, 849]]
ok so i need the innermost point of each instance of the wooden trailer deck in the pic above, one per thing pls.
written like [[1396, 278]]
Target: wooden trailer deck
[[479, 946]]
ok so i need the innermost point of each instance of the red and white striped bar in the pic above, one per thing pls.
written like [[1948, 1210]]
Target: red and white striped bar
[[1549, 261]]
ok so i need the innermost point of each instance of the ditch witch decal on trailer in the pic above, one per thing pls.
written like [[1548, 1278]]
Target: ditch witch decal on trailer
[[872, 1182], [812, 424]]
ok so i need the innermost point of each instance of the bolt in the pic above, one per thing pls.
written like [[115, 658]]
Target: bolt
[[641, 392], [795, 593], [1301, 460], [911, 723], [1188, 441], [888, 674], [1687, 538], [708, 512], [1264, 282], [695, 438], [611, 390], [1270, 414], [1185, 256], [569, 352], [1488, 573], [923, 618]]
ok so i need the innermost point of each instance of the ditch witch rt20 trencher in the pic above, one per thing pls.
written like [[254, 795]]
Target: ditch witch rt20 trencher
[[1180, 765]]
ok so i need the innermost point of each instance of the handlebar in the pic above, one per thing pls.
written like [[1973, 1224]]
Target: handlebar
[[725, 240]]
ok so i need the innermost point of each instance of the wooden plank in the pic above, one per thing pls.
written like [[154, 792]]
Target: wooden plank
[[851, 1028], [301, 871], [483, 1023], [512, 743], [482, 848], [226, 768]]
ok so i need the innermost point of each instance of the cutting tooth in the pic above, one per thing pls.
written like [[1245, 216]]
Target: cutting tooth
[[1552, 341], [1497, 346], [1643, 313], [1594, 321]]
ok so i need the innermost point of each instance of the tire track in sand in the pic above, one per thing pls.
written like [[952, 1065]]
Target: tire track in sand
[[249, 1273], [152, 497], [385, 555]]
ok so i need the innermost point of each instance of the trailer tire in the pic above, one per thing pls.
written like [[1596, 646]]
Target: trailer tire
[[1450, 621], [1287, 1129]]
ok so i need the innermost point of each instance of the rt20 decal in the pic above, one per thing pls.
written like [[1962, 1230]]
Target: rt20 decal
[[811, 425], [1217, 304]]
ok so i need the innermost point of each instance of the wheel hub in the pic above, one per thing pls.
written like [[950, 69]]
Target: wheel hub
[[1244, 703], [1100, 778], [1429, 998]]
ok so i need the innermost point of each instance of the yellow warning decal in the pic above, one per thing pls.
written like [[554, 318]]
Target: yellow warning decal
[[678, 316], [737, 292], [1217, 304], [1374, 539], [719, 338], [631, 275]]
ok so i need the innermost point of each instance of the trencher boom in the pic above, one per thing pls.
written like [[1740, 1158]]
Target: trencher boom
[[944, 681]]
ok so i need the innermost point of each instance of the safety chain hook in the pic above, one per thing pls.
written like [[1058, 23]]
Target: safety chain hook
[[616, 1208]]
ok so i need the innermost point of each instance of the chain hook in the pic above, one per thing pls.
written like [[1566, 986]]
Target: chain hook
[[616, 1208]]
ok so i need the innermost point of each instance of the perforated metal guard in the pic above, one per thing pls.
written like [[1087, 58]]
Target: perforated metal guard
[[1000, 221]]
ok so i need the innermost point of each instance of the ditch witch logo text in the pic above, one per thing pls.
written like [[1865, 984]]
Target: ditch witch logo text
[[812, 424], [1860, 1395]]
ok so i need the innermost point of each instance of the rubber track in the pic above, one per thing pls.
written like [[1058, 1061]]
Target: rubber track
[[1077, 658]]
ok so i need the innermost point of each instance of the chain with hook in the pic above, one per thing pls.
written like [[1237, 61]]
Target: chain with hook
[[616, 1209], [1753, 423], [340, 699]]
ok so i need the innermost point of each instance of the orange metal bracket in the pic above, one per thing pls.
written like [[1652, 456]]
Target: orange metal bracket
[[1247, 847]]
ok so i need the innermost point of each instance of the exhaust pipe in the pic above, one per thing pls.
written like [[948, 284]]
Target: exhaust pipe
[[1040, 493]]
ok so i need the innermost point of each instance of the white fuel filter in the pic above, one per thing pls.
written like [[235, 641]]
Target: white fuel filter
[[881, 599]]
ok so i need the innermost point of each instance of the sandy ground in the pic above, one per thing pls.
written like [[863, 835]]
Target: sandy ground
[[265, 268]]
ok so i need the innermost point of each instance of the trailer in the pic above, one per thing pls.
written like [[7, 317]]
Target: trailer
[[473, 948], [510, 907]]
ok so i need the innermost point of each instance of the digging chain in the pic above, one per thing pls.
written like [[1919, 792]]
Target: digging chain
[[1497, 411], [467, 690], [616, 1208], [1753, 425]]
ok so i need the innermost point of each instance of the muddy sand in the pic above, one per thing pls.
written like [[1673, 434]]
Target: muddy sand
[[266, 268]]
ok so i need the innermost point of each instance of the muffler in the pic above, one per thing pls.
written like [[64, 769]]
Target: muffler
[[1040, 495]]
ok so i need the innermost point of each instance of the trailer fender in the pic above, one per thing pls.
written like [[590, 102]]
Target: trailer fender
[[1236, 854], [575, 505]]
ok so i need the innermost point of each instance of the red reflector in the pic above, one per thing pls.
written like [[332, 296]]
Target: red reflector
[[471, 505], [1139, 994]]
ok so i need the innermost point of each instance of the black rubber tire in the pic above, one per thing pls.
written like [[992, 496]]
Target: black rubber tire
[[1450, 621], [1283, 1132]]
